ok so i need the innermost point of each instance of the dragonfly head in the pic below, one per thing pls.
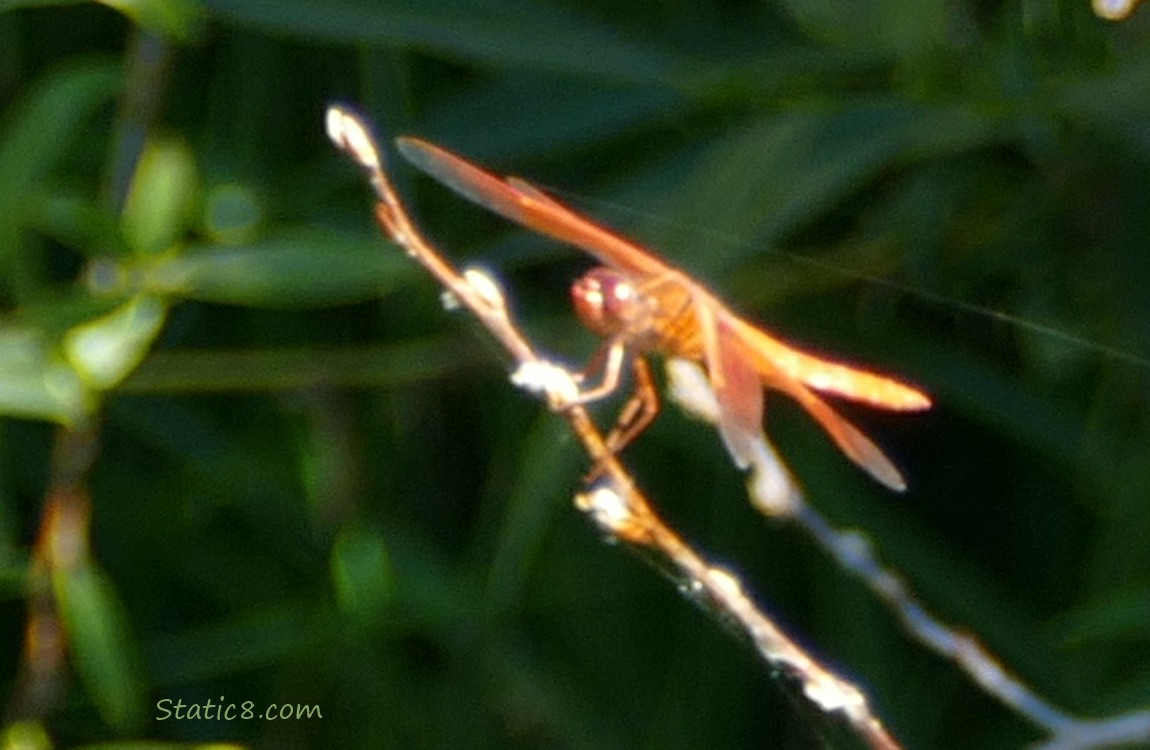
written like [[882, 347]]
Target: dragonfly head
[[607, 301]]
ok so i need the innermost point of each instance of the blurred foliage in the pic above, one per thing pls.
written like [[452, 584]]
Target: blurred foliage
[[315, 487]]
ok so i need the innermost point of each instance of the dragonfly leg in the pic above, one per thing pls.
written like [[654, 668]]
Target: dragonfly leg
[[609, 358], [639, 411], [635, 417]]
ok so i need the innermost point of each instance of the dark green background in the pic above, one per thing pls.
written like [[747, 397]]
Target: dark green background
[[319, 488]]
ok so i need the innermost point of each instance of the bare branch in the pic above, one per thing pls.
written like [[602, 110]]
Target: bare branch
[[852, 551], [719, 591], [61, 547], [620, 509], [1114, 10], [615, 504]]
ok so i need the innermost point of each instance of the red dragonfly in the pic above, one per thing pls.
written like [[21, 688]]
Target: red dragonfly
[[641, 303]]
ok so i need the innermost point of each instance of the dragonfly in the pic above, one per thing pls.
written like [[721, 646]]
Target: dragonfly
[[641, 304]]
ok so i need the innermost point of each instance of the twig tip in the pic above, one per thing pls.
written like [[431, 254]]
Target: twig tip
[[349, 131]]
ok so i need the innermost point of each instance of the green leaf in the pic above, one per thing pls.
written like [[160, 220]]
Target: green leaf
[[304, 270], [34, 139], [13, 4], [35, 382], [161, 198], [585, 116], [25, 735], [178, 19], [877, 27], [146, 745], [767, 180], [105, 350], [362, 574], [1121, 616], [81, 223], [509, 34], [101, 643], [267, 636]]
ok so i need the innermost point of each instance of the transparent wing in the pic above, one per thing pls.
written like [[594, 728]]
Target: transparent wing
[[737, 387], [850, 440]]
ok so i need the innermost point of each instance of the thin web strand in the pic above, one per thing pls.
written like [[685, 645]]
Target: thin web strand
[[944, 301]]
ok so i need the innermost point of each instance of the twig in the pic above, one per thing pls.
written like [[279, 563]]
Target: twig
[[615, 504], [719, 591], [852, 551], [61, 545], [1114, 10], [621, 510]]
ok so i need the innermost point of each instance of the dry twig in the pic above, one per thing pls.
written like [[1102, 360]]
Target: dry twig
[[615, 503], [617, 506]]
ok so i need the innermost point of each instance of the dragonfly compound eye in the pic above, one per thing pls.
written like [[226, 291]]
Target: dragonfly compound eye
[[606, 301]]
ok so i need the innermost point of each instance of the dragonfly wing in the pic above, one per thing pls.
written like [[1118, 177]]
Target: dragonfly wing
[[772, 488], [774, 359], [737, 387], [857, 446], [529, 206]]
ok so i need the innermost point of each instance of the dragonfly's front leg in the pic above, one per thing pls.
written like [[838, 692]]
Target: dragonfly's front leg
[[636, 415], [640, 410], [608, 358]]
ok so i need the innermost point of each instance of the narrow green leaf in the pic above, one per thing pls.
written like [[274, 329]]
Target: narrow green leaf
[[501, 33], [33, 140], [362, 574], [80, 223], [177, 19], [879, 27], [586, 115], [101, 643], [767, 180], [381, 366], [292, 272], [145, 745], [269, 636], [13, 4], [161, 197], [1121, 616]]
